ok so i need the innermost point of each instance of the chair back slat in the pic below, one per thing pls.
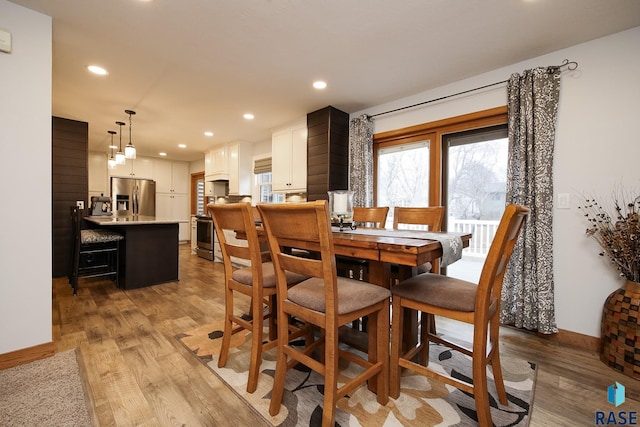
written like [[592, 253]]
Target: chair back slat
[[495, 266], [429, 216], [304, 226], [237, 217], [376, 216]]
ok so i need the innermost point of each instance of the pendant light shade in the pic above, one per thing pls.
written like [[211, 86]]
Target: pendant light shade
[[112, 160], [120, 158], [130, 149]]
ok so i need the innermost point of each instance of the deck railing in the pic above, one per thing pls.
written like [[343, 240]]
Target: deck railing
[[482, 234]]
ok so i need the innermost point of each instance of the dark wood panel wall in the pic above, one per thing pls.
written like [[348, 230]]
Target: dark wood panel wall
[[70, 183], [327, 152]]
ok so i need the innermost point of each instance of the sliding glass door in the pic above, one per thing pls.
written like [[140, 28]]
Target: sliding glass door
[[475, 174]]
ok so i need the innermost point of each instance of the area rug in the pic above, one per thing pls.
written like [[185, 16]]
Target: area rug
[[422, 401], [47, 392]]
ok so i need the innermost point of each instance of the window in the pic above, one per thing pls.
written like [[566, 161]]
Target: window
[[403, 176], [263, 179], [263, 182], [459, 163], [475, 166], [476, 172], [198, 199]]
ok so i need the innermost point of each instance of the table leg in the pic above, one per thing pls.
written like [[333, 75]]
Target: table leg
[[410, 330], [380, 273]]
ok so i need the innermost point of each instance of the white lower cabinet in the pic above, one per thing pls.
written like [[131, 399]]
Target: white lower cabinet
[[175, 207]]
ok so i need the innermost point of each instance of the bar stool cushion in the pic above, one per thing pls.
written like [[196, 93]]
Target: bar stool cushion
[[99, 236], [352, 294], [244, 276], [437, 290]]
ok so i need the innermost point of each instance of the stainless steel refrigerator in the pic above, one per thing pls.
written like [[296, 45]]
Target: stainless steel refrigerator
[[130, 196]]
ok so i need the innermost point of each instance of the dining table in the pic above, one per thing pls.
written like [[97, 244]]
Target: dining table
[[406, 249], [384, 248]]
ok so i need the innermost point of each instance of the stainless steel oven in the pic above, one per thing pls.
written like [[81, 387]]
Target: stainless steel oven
[[205, 236]]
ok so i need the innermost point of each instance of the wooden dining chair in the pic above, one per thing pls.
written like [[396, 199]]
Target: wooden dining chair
[[477, 304], [372, 215], [429, 217], [326, 301], [257, 282]]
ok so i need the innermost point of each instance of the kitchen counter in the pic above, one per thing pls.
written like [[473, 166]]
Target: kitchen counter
[[149, 251], [109, 220]]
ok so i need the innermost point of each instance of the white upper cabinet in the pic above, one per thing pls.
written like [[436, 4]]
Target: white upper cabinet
[[230, 162], [172, 193], [172, 177], [289, 159], [240, 168], [141, 167], [97, 171], [216, 164]]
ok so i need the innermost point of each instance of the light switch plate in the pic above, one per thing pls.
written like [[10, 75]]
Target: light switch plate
[[564, 201], [5, 41]]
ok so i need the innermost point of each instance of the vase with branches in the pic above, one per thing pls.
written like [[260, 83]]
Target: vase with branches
[[618, 235]]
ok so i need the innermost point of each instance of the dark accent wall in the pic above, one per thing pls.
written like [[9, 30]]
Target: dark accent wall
[[327, 152], [70, 183]]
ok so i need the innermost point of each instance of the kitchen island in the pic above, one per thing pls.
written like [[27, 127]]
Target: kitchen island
[[149, 251]]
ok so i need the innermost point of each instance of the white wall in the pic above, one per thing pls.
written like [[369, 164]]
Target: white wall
[[25, 180], [597, 147]]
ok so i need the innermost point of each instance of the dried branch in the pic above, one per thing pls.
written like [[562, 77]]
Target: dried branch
[[617, 234]]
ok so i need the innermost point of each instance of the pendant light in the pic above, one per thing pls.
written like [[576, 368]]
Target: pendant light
[[130, 150], [120, 159], [112, 161]]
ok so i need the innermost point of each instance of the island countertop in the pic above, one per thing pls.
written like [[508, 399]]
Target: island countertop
[[108, 220]]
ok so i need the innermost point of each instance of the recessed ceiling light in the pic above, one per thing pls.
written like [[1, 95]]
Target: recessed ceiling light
[[182, 145], [319, 84], [162, 153], [208, 133], [97, 70], [248, 116]]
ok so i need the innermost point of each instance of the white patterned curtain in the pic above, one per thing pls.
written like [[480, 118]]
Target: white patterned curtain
[[361, 160], [528, 292]]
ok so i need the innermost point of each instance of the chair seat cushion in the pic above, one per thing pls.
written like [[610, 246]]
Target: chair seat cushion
[[99, 236], [245, 276], [352, 294], [439, 291]]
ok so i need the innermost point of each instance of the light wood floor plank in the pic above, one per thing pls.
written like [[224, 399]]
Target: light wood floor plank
[[139, 374]]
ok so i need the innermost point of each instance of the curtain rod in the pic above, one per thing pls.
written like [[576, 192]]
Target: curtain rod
[[571, 65]]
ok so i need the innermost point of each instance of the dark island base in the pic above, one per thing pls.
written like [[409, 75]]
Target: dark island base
[[148, 255]]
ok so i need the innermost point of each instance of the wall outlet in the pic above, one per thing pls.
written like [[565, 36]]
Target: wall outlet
[[80, 204]]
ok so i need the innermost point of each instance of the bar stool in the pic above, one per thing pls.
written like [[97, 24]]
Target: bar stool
[[95, 252]]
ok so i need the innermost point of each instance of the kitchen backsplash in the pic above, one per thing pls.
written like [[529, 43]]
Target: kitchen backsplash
[[289, 198]]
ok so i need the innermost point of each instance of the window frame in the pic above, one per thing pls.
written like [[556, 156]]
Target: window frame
[[195, 177], [434, 132]]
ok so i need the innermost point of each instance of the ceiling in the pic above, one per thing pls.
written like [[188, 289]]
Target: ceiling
[[194, 65]]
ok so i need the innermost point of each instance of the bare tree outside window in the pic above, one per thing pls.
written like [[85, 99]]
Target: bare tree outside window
[[403, 176], [476, 193], [477, 180]]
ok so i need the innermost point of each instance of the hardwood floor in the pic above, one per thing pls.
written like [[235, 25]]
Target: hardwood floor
[[139, 374]]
